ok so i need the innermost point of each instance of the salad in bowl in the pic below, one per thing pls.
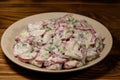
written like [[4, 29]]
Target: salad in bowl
[[58, 43]]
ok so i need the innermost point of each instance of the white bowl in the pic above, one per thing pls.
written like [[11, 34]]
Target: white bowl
[[9, 35]]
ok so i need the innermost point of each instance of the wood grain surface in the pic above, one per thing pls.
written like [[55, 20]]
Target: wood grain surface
[[105, 11]]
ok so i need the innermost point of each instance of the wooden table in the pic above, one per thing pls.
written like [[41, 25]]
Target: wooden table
[[105, 11]]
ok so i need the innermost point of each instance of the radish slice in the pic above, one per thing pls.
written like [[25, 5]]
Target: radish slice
[[47, 63], [37, 32], [54, 67], [70, 64], [84, 54], [72, 50], [27, 57], [79, 64], [35, 26], [42, 56], [91, 54], [58, 60], [47, 36], [21, 47], [22, 36], [38, 64], [72, 54]]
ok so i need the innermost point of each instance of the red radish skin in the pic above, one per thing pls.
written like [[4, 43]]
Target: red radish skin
[[27, 59]]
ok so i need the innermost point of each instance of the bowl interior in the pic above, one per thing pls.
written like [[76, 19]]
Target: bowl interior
[[9, 35]]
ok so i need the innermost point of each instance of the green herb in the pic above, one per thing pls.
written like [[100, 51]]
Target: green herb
[[86, 32], [49, 28], [24, 44]]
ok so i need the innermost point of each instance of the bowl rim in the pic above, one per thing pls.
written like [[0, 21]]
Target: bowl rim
[[56, 71]]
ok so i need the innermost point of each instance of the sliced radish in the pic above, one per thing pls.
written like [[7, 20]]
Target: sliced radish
[[58, 60], [54, 67], [79, 64], [37, 42], [91, 54], [27, 57], [37, 32], [22, 36], [56, 40], [21, 47], [29, 39], [47, 36], [72, 54], [70, 44], [47, 63], [70, 64], [60, 21], [72, 50], [84, 54], [38, 64], [42, 56], [88, 36], [56, 26], [35, 26]]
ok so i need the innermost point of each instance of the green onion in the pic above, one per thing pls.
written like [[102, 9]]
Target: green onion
[[24, 44]]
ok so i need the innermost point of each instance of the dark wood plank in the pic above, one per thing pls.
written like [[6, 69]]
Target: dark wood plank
[[59, 2], [97, 12]]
